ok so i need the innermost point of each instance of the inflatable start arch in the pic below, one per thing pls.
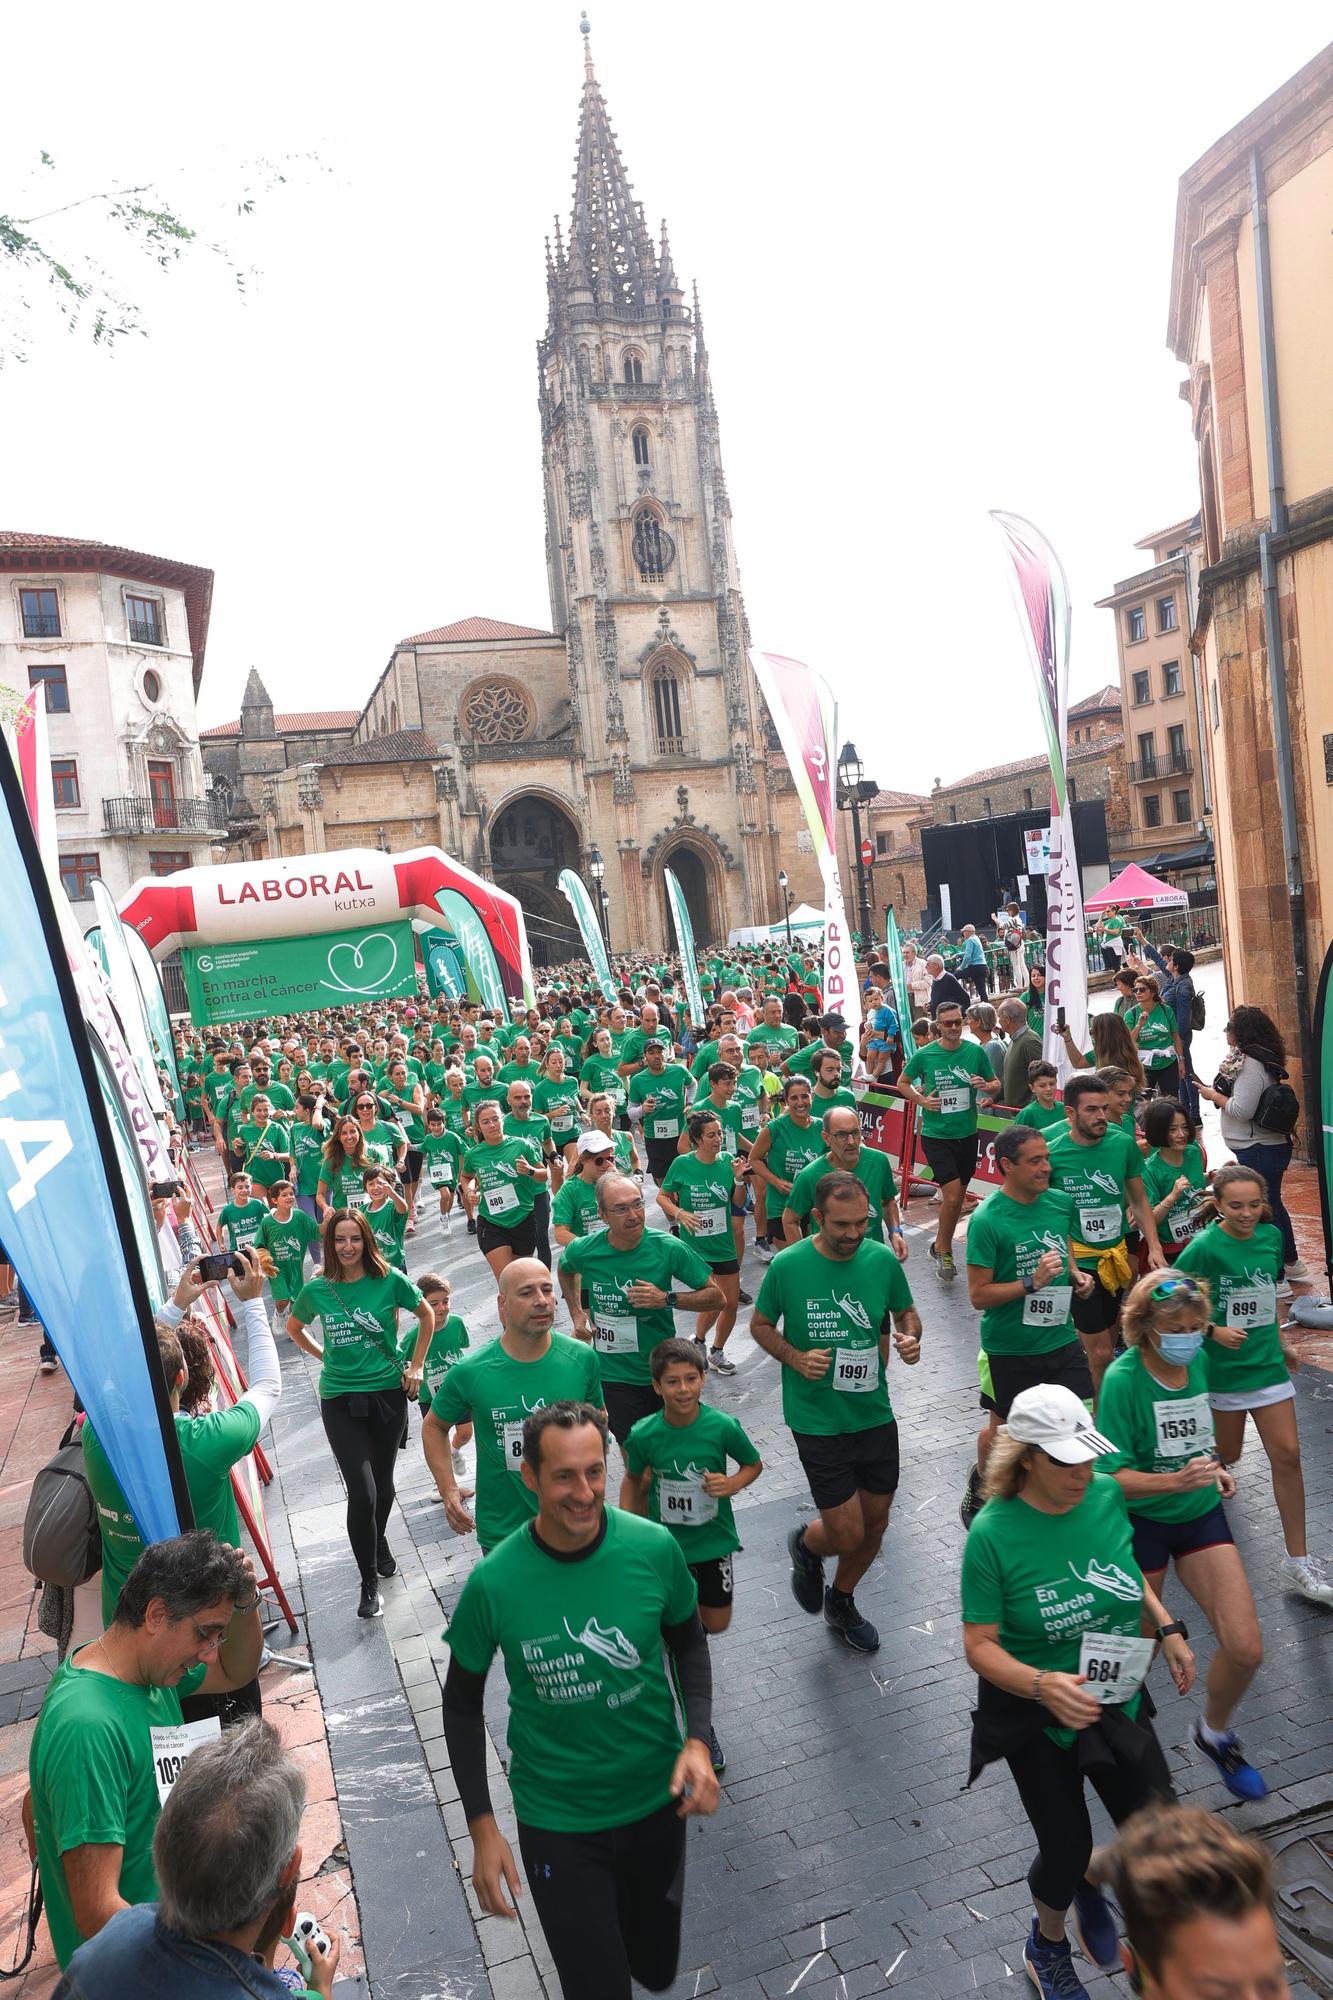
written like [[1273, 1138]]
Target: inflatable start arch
[[290, 936]]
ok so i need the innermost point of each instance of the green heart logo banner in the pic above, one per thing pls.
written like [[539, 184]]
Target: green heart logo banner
[[262, 976], [365, 967]]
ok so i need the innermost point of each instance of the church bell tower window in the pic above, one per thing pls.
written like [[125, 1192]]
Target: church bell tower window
[[641, 456], [654, 550]]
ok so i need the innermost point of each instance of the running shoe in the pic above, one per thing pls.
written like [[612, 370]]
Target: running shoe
[[372, 1604], [1299, 1269], [764, 1251], [1094, 1928], [744, 1298], [1310, 1578], [472, 1225], [386, 1562], [1238, 1774], [1284, 1291], [945, 1268], [841, 1616], [719, 1362], [1050, 1967], [972, 1502], [48, 1364], [716, 1752], [807, 1573]]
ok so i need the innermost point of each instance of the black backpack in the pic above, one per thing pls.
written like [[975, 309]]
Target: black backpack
[[1279, 1108], [62, 1543], [1198, 1012]]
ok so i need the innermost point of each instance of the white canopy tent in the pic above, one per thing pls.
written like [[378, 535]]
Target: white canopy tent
[[806, 921]]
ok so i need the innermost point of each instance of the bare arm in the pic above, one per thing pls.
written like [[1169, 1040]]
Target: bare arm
[[238, 1656], [634, 1491], [297, 1331], [92, 1876], [571, 1290], [439, 1458], [708, 1298], [1063, 1694], [1141, 1209]]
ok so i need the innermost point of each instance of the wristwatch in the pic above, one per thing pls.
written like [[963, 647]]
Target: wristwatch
[[1176, 1625], [670, 1302], [1028, 1285]]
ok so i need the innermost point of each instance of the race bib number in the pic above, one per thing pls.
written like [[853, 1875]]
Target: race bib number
[[711, 1222], [441, 1171], [616, 1093], [513, 1445], [682, 1503], [500, 1200], [613, 1334], [1114, 1665], [358, 1200], [593, 1223], [750, 1118], [1184, 1429], [1252, 1305], [1099, 1225], [562, 1121], [1180, 1226], [1048, 1307], [955, 1100], [729, 1141], [172, 1744], [666, 1128], [856, 1370]]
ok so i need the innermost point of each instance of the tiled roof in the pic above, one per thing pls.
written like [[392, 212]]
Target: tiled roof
[[399, 746], [472, 629], [1078, 754], [19, 547], [1179, 531], [1107, 697], [898, 801], [295, 722]]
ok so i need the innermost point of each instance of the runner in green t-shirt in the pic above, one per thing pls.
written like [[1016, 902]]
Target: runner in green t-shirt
[[448, 1344], [520, 1068], [1044, 1112], [626, 1272], [659, 1097], [770, 1031], [790, 1141], [496, 1387], [556, 1097], [1155, 1409], [955, 1076], [840, 1303], [632, 1049], [697, 1196], [286, 1232], [1155, 1035], [308, 1139], [581, 1602], [600, 1074], [507, 1174], [676, 1473], [845, 1148], [1174, 1174], [364, 1382], [832, 1035], [574, 1211], [602, 1116], [240, 1217], [442, 1164], [110, 1739], [386, 1211]]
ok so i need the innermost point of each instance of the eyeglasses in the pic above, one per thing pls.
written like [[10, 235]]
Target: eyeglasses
[[627, 1208], [209, 1638]]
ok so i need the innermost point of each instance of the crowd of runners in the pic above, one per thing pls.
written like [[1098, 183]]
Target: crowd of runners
[[613, 1163]]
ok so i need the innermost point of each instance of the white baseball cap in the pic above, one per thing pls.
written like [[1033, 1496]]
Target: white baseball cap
[[1057, 1421], [595, 1142]]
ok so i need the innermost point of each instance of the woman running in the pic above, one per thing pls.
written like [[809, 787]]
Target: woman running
[[342, 1178], [602, 1118], [1112, 1045], [506, 1174], [1174, 1175], [406, 1099], [1060, 1626], [696, 1196], [786, 1144], [1156, 1036], [364, 1382], [600, 1074], [1240, 1257], [1154, 1403], [556, 1097]]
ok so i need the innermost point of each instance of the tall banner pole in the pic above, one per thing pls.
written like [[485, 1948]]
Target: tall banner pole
[[575, 892], [1323, 1152], [801, 708], [1041, 598], [893, 948], [689, 959]]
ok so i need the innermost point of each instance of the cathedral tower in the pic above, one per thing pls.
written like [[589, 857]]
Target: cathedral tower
[[673, 749]]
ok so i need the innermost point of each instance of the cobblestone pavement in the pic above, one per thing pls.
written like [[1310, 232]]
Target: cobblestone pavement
[[846, 1858]]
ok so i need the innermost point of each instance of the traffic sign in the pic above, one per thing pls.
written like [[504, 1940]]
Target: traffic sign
[[867, 852]]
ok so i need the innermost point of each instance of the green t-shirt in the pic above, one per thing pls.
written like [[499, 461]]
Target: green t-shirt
[[952, 1076], [405, 1114], [1243, 1279], [209, 1446], [601, 1076], [704, 1057], [537, 1130], [442, 1157], [749, 1096], [837, 1100], [92, 1768], [825, 1303], [669, 1093], [872, 1170], [637, 1039], [308, 1155], [559, 1103], [624, 1335], [792, 1147], [1157, 1036], [593, 1729], [781, 1040], [704, 1192], [803, 1063], [1158, 1430], [279, 1096], [678, 1455], [455, 1112], [389, 1228], [287, 1243], [1096, 1178], [507, 1196], [513, 1072], [382, 1143], [217, 1085], [1047, 1579], [239, 1226], [1043, 1117], [1009, 1239], [497, 1393], [575, 1206], [448, 1344], [336, 1075], [1159, 1177], [360, 1322]]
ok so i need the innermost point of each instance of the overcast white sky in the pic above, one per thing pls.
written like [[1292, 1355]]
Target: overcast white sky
[[932, 246]]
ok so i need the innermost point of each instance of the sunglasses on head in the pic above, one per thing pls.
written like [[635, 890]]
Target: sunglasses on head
[[1173, 1287]]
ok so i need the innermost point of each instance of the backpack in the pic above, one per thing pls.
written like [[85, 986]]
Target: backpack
[[1279, 1108], [1198, 1012], [62, 1543]]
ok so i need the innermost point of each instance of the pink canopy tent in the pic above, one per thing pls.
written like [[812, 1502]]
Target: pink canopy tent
[[1135, 889]]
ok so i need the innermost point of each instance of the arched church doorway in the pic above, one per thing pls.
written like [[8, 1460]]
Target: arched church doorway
[[691, 872], [531, 840]]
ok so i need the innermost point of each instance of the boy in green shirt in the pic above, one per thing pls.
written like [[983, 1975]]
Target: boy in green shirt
[[239, 1218], [449, 1343], [1044, 1112], [286, 1232], [386, 1212]]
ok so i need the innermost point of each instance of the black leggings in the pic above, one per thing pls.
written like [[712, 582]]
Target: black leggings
[[610, 1903], [364, 1432], [1050, 1785], [541, 1216]]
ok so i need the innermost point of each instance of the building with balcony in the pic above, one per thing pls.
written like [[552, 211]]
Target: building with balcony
[[115, 640], [1161, 701], [1095, 767]]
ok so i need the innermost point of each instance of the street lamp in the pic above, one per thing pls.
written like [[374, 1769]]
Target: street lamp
[[786, 902], [854, 791], [597, 869]]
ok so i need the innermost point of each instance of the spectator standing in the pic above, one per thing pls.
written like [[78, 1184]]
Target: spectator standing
[[944, 987], [1024, 1048], [972, 967], [1255, 1057]]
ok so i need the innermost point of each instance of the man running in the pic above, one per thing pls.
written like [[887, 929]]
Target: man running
[[659, 1096], [840, 1302], [496, 1388], [848, 1151], [580, 1602], [957, 1074]]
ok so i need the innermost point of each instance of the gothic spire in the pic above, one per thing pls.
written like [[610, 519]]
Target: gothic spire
[[610, 246]]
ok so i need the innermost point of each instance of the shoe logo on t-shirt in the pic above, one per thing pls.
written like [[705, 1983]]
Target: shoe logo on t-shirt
[[610, 1645], [1110, 1578], [854, 1310], [1106, 1182]]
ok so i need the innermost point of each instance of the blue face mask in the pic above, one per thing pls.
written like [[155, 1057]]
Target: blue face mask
[[1180, 1348]]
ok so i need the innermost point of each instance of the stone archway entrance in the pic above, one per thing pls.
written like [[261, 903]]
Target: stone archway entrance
[[531, 840], [691, 871]]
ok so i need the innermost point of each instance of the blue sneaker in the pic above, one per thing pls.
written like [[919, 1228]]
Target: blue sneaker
[[1050, 1967], [1238, 1774], [807, 1572], [1095, 1929]]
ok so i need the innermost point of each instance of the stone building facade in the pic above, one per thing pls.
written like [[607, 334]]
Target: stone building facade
[[1095, 768], [244, 760]]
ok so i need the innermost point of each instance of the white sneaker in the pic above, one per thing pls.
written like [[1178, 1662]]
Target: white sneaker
[[1300, 1269], [764, 1251], [1310, 1578]]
